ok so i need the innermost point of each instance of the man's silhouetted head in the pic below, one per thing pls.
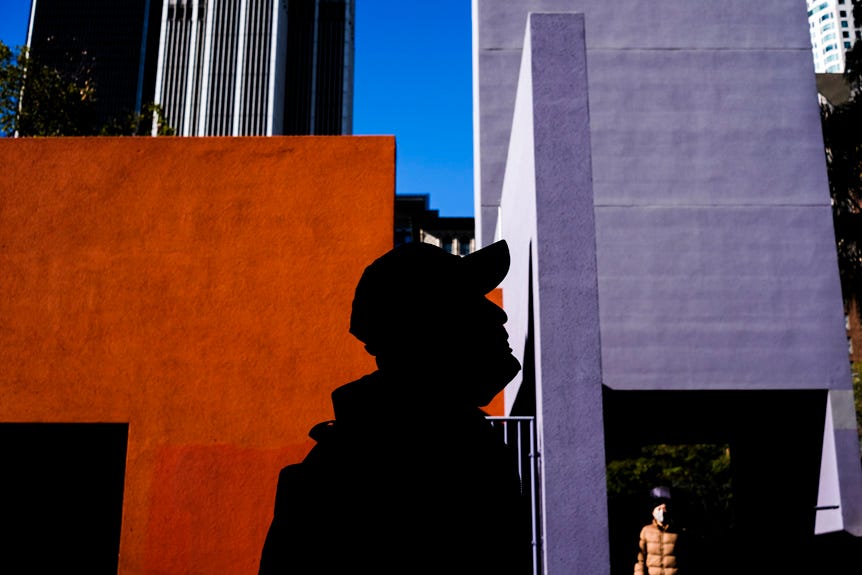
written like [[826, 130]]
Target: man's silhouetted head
[[420, 308]]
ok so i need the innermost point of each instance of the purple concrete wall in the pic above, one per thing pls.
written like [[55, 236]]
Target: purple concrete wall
[[549, 185], [710, 186], [715, 255], [771, 32], [498, 34]]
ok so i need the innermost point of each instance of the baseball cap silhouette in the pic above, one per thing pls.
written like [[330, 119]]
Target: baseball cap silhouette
[[418, 285]]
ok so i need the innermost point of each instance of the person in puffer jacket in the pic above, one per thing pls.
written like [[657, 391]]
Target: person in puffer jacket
[[661, 546]]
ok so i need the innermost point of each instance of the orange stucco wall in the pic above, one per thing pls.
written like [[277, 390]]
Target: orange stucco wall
[[198, 289], [498, 404]]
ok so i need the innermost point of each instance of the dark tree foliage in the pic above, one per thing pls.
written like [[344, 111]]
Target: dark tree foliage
[[700, 473], [842, 137], [39, 100], [857, 393], [852, 63], [56, 104], [139, 124]]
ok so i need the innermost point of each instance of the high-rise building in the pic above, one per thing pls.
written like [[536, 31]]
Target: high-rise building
[[256, 67], [217, 67], [833, 31], [318, 90], [115, 43]]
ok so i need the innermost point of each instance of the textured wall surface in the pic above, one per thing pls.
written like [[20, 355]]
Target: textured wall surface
[[675, 65], [547, 194], [709, 179], [199, 290], [715, 255]]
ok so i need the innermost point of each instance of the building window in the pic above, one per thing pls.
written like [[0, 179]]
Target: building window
[[847, 45], [844, 24], [845, 34]]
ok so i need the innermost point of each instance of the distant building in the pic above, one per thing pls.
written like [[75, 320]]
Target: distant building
[[257, 67], [318, 96], [117, 41], [217, 67], [833, 32], [414, 222]]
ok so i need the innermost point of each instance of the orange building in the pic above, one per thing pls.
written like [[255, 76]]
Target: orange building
[[196, 292]]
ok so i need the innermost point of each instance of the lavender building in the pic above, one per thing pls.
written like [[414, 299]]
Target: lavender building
[[658, 171]]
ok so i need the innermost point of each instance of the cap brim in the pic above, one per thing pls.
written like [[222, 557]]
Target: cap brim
[[487, 267]]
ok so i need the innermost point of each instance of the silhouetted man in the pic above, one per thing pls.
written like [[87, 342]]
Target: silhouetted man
[[410, 478]]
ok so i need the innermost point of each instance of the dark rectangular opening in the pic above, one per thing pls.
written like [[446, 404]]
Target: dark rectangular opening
[[61, 493]]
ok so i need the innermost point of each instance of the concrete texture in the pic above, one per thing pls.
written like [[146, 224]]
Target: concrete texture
[[548, 187], [715, 255], [671, 64]]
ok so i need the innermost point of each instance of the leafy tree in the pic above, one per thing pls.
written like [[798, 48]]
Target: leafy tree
[[701, 472], [852, 63], [140, 124], [56, 104], [857, 396], [39, 100], [857, 11], [842, 137]]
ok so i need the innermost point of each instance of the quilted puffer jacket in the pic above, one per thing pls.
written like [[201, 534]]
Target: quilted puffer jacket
[[658, 551]]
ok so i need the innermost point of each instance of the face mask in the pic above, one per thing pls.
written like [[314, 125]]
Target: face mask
[[659, 515]]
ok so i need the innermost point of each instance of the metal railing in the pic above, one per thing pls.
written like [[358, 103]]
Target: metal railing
[[519, 432]]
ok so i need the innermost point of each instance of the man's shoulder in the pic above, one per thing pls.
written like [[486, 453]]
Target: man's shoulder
[[355, 400]]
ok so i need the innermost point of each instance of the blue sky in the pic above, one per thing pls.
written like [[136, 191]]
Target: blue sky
[[412, 80]]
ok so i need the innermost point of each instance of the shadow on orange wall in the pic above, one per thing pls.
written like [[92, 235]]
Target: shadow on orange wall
[[199, 290]]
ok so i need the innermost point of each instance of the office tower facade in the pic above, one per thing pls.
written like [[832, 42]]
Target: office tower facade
[[256, 67], [115, 43], [833, 32], [217, 67]]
